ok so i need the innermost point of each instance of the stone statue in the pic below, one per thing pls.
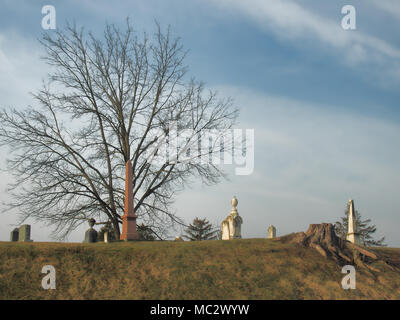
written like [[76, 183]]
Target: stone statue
[[231, 226], [91, 234]]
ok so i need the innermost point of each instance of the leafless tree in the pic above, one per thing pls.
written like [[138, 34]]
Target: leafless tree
[[100, 106]]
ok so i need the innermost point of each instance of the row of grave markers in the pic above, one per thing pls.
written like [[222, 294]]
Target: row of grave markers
[[230, 226], [23, 234], [230, 229]]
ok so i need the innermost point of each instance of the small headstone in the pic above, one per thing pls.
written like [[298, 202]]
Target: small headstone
[[91, 234], [271, 232], [106, 233], [24, 233], [100, 235], [110, 235], [14, 235]]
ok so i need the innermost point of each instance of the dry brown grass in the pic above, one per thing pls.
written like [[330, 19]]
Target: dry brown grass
[[240, 269]]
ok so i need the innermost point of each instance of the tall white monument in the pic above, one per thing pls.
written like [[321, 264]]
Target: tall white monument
[[352, 234], [231, 226]]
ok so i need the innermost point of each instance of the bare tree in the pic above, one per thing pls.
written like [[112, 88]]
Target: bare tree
[[105, 102]]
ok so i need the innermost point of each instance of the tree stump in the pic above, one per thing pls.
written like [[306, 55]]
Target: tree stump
[[322, 237]]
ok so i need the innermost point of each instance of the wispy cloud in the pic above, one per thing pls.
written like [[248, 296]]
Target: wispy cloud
[[296, 22], [391, 7]]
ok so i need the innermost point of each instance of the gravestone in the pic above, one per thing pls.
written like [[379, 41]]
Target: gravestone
[[352, 233], [24, 233], [109, 233], [100, 235], [106, 237], [14, 235], [231, 226], [91, 234], [106, 233], [271, 232]]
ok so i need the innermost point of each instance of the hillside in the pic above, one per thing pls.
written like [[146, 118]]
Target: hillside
[[240, 269]]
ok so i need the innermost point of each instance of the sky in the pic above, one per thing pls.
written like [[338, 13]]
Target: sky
[[323, 101]]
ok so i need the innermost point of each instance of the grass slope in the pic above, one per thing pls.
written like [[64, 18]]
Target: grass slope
[[240, 269]]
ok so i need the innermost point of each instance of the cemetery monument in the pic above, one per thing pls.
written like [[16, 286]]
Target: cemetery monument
[[231, 226], [91, 234], [352, 234], [271, 232], [24, 233], [129, 231]]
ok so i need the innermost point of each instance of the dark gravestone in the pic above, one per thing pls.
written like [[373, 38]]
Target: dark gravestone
[[24, 233], [14, 235], [91, 234], [100, 235]]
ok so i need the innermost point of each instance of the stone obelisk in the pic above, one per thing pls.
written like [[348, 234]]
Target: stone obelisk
[[352, 234], [129, 231]]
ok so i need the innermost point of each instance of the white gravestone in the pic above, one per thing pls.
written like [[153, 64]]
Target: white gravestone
[[271, 232], [231, 226]]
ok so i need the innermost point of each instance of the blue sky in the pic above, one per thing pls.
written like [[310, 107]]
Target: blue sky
[[324, 102]]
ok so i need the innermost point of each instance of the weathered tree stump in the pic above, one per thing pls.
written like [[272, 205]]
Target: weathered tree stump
[[322, 237]]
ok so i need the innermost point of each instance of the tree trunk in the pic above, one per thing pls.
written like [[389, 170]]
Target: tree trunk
[[116, 229]]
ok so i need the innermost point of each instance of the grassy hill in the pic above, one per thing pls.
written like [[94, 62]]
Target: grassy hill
[[240, 269]]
